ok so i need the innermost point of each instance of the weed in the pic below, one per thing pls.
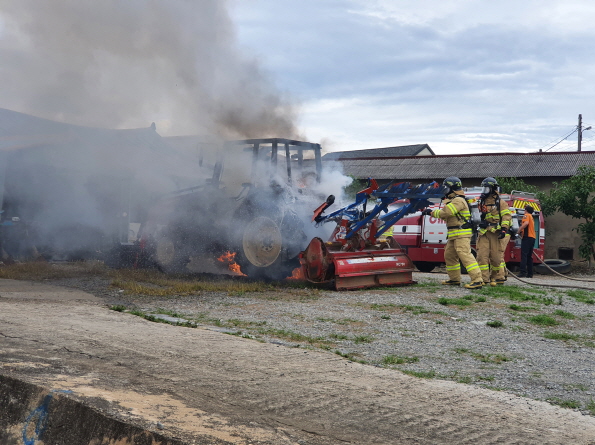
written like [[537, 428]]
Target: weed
[[543, 320], [490, 358], [495, 324], [461, 350], [564, 314], [454, 301], [397, 360], [465, 379], [582, 296], [572, 404], [591, 407], [486, 378], [350, 356], [242, 323], [118, 308], [516, 307], [517, 294], [358, 339], [420, 374], [385, 317], [338, 336], [559, 336], [415, 310]]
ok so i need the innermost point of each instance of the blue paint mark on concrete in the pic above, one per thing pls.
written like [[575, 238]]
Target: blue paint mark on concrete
[[39, 418]]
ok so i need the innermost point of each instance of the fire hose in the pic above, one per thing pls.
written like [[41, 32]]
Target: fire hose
[[556, 272]]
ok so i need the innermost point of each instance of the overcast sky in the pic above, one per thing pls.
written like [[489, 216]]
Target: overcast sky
[[460, 75]]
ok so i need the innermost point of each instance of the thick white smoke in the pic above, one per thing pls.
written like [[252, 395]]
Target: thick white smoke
[[127, 63]]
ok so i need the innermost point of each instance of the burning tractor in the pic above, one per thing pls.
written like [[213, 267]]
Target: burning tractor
[[249, 206]]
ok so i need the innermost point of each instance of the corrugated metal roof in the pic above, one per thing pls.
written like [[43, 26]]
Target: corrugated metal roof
[[522, 165], [386, 152]]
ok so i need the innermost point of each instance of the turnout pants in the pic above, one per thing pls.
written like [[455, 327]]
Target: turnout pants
[[490, 256], [457, 251]]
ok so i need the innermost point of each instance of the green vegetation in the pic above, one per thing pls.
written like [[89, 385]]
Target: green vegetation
[[358, 339], [559, 336], [420, 374], [564, 314], [582, 296], [398, 360], [543, 320], [454, 301], [516, 293], [495, 324], [572, 404], [575, 197], [510, 184], [516, 307]]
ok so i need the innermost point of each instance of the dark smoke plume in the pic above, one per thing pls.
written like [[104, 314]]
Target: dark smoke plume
[[127, 63]]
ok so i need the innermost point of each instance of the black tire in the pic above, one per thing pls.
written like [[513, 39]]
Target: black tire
[[269, 250], [560, 266], [170, 256], [424, 266]]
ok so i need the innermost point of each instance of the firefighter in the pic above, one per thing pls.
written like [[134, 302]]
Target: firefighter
[[457, 216], [493, 233]]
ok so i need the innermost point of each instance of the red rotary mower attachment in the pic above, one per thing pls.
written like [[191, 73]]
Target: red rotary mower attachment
[[357, 255]]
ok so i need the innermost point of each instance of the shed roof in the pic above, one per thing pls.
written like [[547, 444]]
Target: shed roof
[[386, 152], [522, 165]]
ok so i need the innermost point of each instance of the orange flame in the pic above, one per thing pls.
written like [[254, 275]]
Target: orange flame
[[297, 274], [229, 258]]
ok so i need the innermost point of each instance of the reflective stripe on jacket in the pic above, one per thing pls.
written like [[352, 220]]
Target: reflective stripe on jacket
[[455, 212], [497, 218]]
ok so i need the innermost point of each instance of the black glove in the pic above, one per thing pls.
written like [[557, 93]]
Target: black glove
[[483, 224], [426, 212], [503, 233]]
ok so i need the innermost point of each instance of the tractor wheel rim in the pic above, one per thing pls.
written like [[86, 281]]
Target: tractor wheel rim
[[262, 241]]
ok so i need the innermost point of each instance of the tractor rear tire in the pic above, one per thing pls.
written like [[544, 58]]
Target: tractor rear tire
[[169, 256]]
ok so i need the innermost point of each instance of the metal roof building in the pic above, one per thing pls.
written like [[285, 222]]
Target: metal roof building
[[386, 152], [474, 166]]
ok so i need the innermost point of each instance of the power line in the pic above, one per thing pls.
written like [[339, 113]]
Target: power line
[[564, 138]]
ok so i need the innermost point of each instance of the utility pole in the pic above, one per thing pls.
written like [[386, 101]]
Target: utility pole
[[580, 131]]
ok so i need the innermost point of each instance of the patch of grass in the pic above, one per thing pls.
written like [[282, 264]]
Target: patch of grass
[[591, 407], [495, 324], [385, 317], [420, 374], [516, 293], [398, 360], [564, 314], [462, 350], [338, 336], [559, 336], [516, 307], [454, 301], [41, 270], [543, 320], [490, 358], [415, 310], [571, 404], [486, 378], [358, 339], [582, 296], [118, 308], [351, 357], [292, 336], [244, 324]]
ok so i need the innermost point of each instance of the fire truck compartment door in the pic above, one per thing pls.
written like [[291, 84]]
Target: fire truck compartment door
[[434, 230]]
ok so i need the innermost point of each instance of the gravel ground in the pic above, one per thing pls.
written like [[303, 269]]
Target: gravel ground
[[533, 341]]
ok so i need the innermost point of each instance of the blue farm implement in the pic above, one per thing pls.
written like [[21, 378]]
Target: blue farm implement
[[358, 255]]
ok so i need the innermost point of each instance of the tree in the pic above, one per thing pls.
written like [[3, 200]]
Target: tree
[[575, 197], [356, 186], [510, 184]]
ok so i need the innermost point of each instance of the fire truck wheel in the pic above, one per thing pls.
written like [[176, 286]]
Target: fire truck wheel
[[424, 266], [560, 266]]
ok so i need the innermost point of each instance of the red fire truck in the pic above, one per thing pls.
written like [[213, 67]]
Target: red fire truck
[[424, 237]]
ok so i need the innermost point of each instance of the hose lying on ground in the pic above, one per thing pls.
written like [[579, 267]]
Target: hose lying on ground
[[556, 272]]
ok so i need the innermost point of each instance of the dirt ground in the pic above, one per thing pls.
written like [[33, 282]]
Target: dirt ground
[[207, 387]]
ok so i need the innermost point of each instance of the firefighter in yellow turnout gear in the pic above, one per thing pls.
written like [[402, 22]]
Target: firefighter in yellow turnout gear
[[457, 216], [493, 235]]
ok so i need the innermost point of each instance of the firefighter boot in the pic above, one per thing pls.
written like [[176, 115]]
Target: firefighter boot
[[474, 285], [451, 283]]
